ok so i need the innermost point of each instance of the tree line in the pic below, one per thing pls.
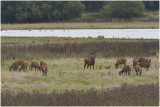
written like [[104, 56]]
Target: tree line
[[58, 11]]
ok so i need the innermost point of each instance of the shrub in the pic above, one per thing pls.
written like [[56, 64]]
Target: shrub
[[123, 9]]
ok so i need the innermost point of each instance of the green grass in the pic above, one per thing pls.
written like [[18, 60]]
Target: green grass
[[68, 73]]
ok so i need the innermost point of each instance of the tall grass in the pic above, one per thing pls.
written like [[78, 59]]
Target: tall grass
[[56, 50], [126, 95]]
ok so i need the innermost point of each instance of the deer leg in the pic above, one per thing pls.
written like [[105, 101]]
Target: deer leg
[[140, 72], [17, 69], [90, 66], [87, 66], [46, 72], [84, 66], [128, 72], [20, 69], [93, 66], [43, 72]]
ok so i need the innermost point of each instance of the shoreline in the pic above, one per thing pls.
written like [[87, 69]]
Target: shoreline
[[78, 25]]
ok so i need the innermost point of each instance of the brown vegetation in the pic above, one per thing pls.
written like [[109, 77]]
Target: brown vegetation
[[105, 25], [56, 50], [126, 95]]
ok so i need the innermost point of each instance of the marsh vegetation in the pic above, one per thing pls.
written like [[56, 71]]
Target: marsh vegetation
[[65, 62]]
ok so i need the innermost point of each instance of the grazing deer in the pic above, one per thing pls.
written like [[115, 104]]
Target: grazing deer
[[126, 70], [15, 65], [34, 65], [120, 60], [24, 66]]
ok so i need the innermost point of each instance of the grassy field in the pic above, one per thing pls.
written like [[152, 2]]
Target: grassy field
[[67, 79], [75, 25], [68, 74]]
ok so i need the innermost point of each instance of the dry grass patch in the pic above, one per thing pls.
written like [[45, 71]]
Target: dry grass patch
[[113, 25]]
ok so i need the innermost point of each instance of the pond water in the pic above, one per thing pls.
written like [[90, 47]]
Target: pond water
[[107, 33]]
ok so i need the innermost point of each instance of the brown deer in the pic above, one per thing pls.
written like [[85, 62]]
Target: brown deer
[[89, 60], [135, 61], [43, 67], [120, 60], [145, 65], [24, 66], [140, 59], [138, 69], [15, 65], [34, 65], [126, 69]]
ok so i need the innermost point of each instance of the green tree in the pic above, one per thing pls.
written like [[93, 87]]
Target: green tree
[[151, 5], [72, 9], [40, 11], [123, 9], [93, 6]]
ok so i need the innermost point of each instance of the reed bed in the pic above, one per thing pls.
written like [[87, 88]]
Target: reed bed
[[57, 50], [126, 95]]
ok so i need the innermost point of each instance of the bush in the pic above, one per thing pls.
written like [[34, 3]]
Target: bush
[[123, 9]]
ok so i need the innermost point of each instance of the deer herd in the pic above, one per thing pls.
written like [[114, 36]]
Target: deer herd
[[138, 64], [42, 68]]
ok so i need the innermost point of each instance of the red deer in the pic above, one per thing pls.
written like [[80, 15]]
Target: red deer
[[16, 64], [145, 65], [144, 60], [34, 65], [43, 67], [135, 61], [126, 70], [140, 59], [138, 69], [121, 60], [14, 67], [90, 60], [24, 66]]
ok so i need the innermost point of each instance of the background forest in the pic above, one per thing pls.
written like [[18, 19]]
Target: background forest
[[76, 11]]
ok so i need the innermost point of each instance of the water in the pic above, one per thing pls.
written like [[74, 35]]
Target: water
[[107, 33]]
